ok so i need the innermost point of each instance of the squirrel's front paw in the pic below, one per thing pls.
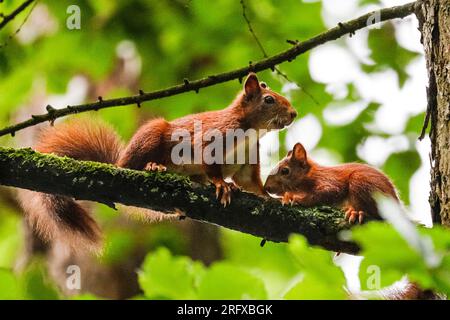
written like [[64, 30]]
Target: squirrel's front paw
[[288, 198], [153, 166], [291, 198]]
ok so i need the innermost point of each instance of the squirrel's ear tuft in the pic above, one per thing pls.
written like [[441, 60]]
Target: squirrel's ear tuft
[[299, 152], [251, 85]]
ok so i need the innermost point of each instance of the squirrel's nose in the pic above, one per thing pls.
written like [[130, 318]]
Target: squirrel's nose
[[267, 188], [293, 114]]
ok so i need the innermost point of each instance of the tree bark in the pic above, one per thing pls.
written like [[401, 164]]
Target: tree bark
[[434, 19], [165, 192]]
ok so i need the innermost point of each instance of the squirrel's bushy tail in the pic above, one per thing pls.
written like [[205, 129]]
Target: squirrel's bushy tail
[[61, 217]]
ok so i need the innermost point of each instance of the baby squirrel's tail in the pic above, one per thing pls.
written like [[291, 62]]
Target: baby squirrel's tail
[[61, 217]]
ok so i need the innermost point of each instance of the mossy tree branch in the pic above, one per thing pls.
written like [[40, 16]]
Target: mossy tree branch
[[298, 48], [83, 180]]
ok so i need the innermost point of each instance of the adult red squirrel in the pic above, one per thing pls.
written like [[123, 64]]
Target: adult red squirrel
[[351, 186], [256, 107]]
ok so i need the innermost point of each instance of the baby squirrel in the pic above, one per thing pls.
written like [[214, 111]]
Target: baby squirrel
[[351, 186], [256, 107], [299, 180]]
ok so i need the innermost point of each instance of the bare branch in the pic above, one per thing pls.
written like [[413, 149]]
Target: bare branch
[[297, 49]]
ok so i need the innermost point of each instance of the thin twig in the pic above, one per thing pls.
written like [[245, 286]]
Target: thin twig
[[267, 63], [264, 52], [10, 17], [20, 27], [250, 28]]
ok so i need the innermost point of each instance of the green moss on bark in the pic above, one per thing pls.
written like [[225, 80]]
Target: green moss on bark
[[85, 180]]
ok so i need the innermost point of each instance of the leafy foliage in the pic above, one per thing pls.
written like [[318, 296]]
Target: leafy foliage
[[314, 274], [164, 276], [387, 53], [401, 259], [164, 42], [399, 165], [32, 283], [321, 278], [168, 277]]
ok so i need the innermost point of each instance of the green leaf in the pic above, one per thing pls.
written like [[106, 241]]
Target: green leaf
[[36, 283], [343, 139], [441, 237], [312, 288], [119, 246], [9, 285], [400, 167], [441, 241], [244, 250], [166, 277], [322, 279], [227, 281], [10, 237], [387, 53], [387, 257], [315, 261], [415, 123]]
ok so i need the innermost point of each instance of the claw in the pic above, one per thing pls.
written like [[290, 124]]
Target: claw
[[223, 192], [218, 189], [353, 215], [361, 216], [348, 213]]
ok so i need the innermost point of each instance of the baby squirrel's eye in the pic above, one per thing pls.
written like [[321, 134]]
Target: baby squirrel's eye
[[285, 171], [269, 99]]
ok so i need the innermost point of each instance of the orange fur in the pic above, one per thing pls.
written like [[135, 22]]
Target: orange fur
[[82, 140], [60, 217], [153, 141], [298, 179], [56, 216], [350, 186]]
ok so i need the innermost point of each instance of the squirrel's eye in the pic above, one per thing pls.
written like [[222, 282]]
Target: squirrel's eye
[[269, 100], [285, 171]]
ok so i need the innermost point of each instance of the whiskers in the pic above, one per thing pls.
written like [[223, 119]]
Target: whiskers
[[277, 122]]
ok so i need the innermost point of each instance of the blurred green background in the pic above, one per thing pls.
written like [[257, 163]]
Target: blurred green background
[[360, 99]]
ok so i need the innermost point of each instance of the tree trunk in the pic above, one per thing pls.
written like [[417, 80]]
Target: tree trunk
[[434, 19]]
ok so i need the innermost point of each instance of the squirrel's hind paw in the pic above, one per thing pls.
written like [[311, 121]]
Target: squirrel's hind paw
[[353, 215]]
